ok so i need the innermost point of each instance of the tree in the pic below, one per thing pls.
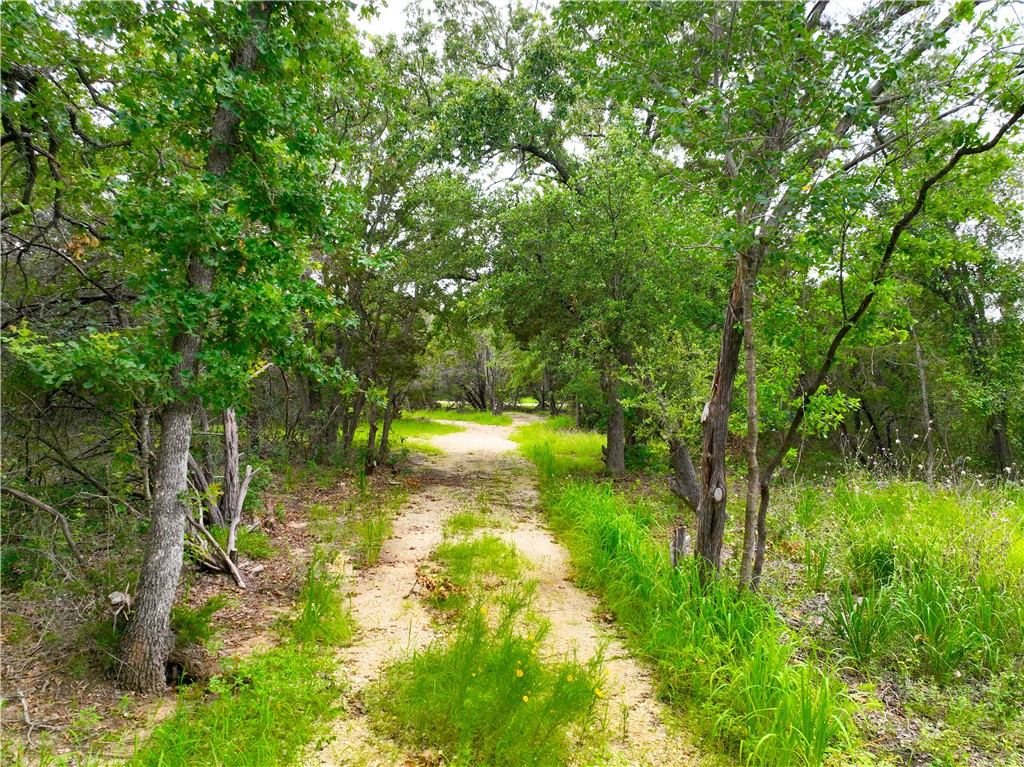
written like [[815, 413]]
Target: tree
[[770, 102]]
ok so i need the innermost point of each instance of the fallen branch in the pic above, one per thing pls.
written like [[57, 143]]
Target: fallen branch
[[217, 548]]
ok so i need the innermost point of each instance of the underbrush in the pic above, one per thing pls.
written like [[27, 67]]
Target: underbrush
[[469, 416], [486, 697]]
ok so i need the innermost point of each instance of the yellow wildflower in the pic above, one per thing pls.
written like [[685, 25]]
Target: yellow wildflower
[[519, 672], [598, 693], [526, 699], [568, 678]]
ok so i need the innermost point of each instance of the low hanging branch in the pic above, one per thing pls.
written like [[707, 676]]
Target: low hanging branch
[[61, 520]]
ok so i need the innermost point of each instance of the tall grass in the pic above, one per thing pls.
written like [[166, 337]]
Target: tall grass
[[485, 697], [265, 710], [322, 615], [715, 648], [558, 450]]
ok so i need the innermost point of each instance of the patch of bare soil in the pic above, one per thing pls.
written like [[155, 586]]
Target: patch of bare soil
[[479, 466]]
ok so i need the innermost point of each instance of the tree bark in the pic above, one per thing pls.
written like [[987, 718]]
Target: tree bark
[[711, 514], [684, 482], [148, 639], [615, 453], [753, 475], [232, 480]]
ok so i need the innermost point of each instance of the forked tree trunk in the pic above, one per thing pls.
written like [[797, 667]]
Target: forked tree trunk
[[148, 639], [711, 514]]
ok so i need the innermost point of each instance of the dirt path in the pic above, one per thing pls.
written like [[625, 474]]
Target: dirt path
[[479, 466]]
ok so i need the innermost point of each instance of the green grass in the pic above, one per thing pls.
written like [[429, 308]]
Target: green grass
[[323, 618], [466, 522], [360, 525], [470, 416], [485, 697], [720, 652], [254, 544], [265, 710], [558, 450], [486, 562]]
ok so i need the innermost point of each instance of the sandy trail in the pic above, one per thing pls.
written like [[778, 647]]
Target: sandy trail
[[479, 464]]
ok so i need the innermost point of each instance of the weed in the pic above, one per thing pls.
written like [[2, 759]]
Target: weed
[[465, 522], [194, 625], [815, 566], [862, 623], [487, 561], [322, 616], [485, 697], [372, 530]]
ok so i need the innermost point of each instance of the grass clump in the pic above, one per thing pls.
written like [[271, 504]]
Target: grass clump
[[322, 616], [486, 698], [469, 416], [558, 450], [254, 544], [485, 562], [268, 708], [194, 625], [466, 522]]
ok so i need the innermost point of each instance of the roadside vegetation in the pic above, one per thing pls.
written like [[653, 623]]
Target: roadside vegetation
[[883, 596]]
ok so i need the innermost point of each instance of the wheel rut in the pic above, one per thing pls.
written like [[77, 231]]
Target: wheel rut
[[480, 469]]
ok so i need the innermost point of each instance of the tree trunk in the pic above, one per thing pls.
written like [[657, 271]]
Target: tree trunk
[[352, 421], [711, 514], [232, 480], [145, 447], [615, 454], [371, 441], [753, 475], [684, 482], [148, 639], [926, 412], [1001, 443]]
